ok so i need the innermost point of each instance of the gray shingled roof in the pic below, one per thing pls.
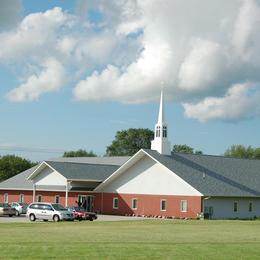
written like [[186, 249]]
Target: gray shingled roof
[[113, 160], [19, 181], [215, 175], [83, 171], [90, 169]]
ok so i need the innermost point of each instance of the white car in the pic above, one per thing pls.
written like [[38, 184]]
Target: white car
[[48, 211], [21, 208]]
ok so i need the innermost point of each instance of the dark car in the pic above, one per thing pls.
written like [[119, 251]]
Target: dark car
[[81, 214]]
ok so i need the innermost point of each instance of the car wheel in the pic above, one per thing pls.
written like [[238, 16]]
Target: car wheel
[[17, 214], [80, 219], [32, 217], [91, 219], [56, 218]]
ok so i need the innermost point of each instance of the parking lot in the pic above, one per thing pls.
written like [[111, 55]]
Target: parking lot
[[23, 218]]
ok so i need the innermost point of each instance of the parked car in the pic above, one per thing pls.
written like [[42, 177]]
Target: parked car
[[21, 208], [81, 214], [7, 210], [48, 211]]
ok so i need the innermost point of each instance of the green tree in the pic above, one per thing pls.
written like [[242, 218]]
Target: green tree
[[79, 153], [11, 165], [128, 142], [183, 148], [241, 151]]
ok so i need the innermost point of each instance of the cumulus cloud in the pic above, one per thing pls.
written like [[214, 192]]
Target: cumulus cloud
[[124, 53], [9, 13], [240, 101], [50, 78]]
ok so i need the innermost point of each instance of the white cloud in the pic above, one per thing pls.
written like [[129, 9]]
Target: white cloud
[[240, 101], [50, 78], [35, 36], [197, 48], [9, 13], [202, 66]]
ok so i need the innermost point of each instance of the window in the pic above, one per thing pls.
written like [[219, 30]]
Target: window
[[250, 207], [163, 205], [165, 131], [115, 203], [6, 198], [158, 129], [235, 206], [39, 198], [57, 199], [134, 203], [21, 199], [184, 205]]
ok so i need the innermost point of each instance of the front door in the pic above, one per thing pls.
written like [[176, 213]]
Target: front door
[[86, 201]]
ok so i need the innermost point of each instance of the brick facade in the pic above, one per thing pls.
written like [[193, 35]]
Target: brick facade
[[147, 205]]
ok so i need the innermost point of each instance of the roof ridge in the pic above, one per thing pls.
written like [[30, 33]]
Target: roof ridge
[[214, 155], [86, 163]]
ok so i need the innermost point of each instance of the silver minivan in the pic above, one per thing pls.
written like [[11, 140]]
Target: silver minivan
[[48, 211]]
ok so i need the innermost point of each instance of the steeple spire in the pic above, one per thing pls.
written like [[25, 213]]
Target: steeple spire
[[161, 110], [160, 142]]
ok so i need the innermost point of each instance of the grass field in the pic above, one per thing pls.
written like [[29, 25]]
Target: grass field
[[147, 239]]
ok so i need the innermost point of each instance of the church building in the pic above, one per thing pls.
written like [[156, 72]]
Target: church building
[[154, 183]]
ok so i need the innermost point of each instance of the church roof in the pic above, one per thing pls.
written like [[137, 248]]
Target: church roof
[[83, 171], [210, 175], [214, 175], [70, 167]]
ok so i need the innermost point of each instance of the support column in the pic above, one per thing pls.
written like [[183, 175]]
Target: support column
[[34, 192], [67, 194]]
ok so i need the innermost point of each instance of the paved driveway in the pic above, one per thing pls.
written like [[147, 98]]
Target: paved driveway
[[22, 219]]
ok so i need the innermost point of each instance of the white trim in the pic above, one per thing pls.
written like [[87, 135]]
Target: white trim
[[236, 206], [252, 206], [6, 198], [84, 180], [114, 199], [35, 173], [138, 156], [37, 198], [117, 172], [57, 196], [165, 200], [184, 209], [21, 201], [132, 206]]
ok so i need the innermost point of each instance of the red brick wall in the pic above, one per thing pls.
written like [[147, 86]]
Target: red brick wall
[[148, 205]]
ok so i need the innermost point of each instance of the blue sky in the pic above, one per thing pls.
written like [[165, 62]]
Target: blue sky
[[72, 73]]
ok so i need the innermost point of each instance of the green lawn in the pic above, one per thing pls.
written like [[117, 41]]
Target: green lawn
[[147, 239]]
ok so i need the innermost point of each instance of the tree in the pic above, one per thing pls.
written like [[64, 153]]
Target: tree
[[11, 165], [183, 148], [241, 151], [128, 142], [79, 153]]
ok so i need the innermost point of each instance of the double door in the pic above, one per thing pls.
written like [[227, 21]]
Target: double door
[[87, 202]]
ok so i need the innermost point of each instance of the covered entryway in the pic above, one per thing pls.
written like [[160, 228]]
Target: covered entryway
[[86, 201]]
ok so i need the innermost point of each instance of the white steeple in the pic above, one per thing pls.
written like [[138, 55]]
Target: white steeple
[[160, 143]]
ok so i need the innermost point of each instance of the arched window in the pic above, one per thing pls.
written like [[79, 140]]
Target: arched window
[[164, 131], [158, 129]]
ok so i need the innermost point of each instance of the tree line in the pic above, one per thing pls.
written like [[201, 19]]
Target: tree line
[[126, 143]]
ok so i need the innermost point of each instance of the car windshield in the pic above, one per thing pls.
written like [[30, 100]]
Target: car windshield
[[58, 207]]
